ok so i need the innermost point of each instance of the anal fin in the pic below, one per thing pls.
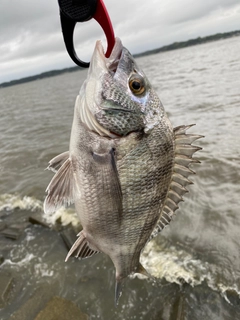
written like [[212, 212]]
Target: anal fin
[[80, 248], [144, 272]]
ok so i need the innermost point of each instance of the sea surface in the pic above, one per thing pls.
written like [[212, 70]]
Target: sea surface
[[197, 258]]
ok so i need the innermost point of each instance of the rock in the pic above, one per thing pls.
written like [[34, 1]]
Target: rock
[[38, 219], [11, 233], [33, 305], [233, 297], [6, 284], [178, 309], [61, 309], [6, 246], [69, 236], [19, 226], [13, 230], [4, 214], [2, 225]]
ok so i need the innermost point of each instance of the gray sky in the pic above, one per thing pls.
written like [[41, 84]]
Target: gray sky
[[31, 40]]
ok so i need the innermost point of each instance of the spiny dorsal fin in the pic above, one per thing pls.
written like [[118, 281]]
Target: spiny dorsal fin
[[58, 161], [183, 158], [61, 189], [80, 248]]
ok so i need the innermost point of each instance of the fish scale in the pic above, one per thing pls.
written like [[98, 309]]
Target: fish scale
[[127, 168]]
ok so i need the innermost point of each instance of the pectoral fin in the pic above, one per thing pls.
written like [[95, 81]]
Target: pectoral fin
[[80, 248], [62, 187], [108, 179], [56, 163]]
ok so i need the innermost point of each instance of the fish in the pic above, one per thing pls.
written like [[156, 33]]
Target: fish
[[127, 168]]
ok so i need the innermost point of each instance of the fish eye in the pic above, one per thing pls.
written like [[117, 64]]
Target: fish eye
[[136, 84]]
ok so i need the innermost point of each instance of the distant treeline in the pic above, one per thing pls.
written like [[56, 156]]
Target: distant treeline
[[39, 76], [191, 42], [173, 46]]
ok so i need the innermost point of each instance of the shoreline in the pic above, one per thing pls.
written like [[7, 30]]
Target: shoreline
[[173, 46]]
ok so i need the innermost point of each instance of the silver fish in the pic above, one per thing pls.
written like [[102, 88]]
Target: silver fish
[[126, 169]]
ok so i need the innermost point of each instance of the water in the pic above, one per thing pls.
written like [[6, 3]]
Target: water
[[197, 258]]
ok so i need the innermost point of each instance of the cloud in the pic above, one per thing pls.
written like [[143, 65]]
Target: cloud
[[190, 10], [31, 39]]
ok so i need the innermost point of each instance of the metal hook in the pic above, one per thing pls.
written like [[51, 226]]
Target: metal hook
[[73, 11]]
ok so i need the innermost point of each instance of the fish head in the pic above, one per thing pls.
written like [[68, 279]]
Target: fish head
[[117, 98]]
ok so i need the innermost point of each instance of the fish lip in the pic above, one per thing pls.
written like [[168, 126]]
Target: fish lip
[[112, 62], [108, 64]]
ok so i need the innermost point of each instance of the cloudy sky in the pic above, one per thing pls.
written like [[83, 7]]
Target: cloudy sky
[[31, 41]]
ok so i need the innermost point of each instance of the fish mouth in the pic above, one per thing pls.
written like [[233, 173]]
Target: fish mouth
[[115, 57], [108, 64], [99, 65]]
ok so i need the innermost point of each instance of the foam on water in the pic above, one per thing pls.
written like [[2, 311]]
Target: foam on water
[[174, 264], [24, 262], [64, 215], [179, 266], [11, 202]]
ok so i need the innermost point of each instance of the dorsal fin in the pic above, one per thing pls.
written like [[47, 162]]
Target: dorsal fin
[[183, 158], [80, 248]]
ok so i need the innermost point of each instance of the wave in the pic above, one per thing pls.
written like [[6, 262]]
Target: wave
[[176, 265], [11, 202], [161, 258]]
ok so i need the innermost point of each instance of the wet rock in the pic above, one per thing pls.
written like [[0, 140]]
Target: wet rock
[[1, 259], [61, 309], [4, 214], [178, 312], [6, 245], [19, 226], [38, 219], [2, 225], [233, 297], [69, 236], [33, 305], [11, 233], [6, 284]]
